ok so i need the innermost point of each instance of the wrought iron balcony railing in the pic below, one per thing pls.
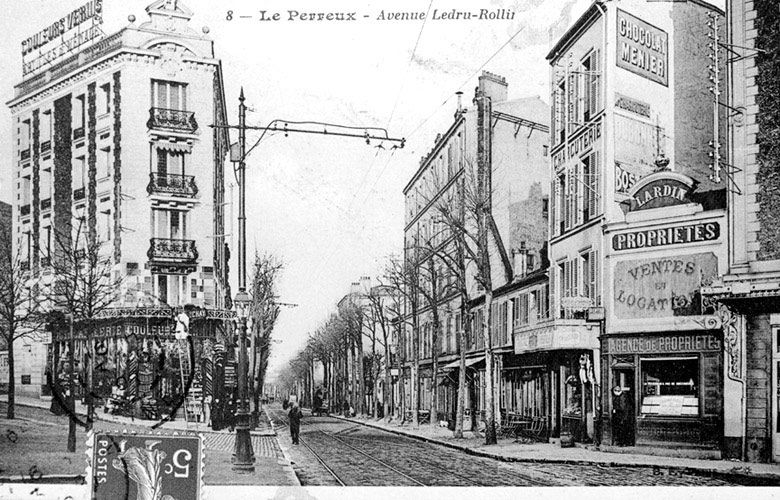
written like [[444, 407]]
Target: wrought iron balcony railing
[[45, 203], [25, 209], [79, 194], [172, 184], [25, 154], [172, 119], [78, 133], [45, 146], [172, 250]]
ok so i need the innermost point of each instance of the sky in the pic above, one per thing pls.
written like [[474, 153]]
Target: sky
[[332, 208]]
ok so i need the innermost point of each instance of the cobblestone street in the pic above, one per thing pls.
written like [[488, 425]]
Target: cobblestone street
[[334, 452]]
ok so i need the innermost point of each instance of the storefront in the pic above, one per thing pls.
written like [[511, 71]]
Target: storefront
[[664, 389]]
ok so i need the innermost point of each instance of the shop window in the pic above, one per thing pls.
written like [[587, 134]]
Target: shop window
[[670, 387]]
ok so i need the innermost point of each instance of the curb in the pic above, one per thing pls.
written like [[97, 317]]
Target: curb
[[767, 479]]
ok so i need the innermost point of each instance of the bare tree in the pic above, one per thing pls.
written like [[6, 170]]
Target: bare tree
[[20, 308], [83, 286], [264, 312], [378, 303]]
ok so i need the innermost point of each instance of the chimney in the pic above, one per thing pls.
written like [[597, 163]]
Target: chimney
[[460, 100], [354, 288], [520, 257], [365, 284], [493, 86]]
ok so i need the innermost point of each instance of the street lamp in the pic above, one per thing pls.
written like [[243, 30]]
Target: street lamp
[[244, 457]]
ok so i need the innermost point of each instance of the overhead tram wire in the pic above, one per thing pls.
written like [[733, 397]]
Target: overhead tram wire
[[395, 104], [445, 102]]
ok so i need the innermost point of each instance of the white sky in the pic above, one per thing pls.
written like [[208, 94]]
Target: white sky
[[332, 208]]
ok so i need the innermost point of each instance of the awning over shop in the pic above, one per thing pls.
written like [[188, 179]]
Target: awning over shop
[[469, 362]]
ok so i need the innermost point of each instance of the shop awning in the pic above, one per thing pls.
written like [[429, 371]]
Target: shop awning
[[469, 362]]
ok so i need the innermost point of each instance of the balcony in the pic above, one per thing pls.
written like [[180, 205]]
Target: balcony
[[25, 209], [172, 184], [45, 146], [79, 194], [46, 204], [172, 250], [78, 133], [172, 119], [25, 154]]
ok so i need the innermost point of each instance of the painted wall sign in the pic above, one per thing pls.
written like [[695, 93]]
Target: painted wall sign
[[625, 177], [661, 189], [632, 105], [661, 287], [675, 235], [577, 144], [642, 48], [146, 466], [637, 145], [664, 343], [58, 32]]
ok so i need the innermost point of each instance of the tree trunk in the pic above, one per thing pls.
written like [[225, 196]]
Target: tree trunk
[[10, 414], [361, 378], [415, 389], [463, 328], [388, 388], [490, 391], [434, 419], [90, 378], [374, 377], [71, 391]]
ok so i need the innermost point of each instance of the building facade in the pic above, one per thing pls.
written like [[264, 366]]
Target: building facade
[[512, 137], [112, 149], [637, 225], [748, 292]]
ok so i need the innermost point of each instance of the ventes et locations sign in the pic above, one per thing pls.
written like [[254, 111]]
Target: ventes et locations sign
[[642, 48], [62, 37], [662, 286]]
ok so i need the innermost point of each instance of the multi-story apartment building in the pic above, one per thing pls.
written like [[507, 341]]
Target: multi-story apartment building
[[749, 290], [514, 138], [115, 141], [637, 226]]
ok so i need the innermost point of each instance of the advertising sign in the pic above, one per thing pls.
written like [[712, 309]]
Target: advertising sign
[[674, 235], [642, 48], [62, 37], [146, 466], [664, 344], [637, 145], [662, 286]]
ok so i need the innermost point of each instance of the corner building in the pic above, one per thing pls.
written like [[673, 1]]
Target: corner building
[[116, 139], [637, 226]]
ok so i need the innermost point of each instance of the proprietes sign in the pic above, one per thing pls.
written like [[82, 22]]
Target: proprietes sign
[[642, 48], [57, 32], [649, 238]]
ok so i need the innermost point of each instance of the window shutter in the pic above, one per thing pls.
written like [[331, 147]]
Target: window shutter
[[594, 259], [575, 278], [595, 82], [595, 170]]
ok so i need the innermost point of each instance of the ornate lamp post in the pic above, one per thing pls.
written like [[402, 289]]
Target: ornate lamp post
[[244, 457]]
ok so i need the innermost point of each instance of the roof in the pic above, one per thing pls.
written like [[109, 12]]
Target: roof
[[584, 21]]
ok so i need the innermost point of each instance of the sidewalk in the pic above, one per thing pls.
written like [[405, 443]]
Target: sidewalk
[[272, 467], [509, 451]]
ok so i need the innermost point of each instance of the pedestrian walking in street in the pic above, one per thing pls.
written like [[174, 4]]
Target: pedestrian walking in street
[[295, 415]]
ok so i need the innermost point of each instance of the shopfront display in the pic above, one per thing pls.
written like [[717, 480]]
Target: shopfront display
[[664, 388]]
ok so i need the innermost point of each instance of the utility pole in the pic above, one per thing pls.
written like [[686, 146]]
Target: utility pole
[[244, 456]]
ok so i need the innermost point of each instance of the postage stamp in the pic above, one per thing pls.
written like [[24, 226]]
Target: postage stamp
[[149, 466]]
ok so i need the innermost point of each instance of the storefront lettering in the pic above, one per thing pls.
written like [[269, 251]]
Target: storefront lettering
[[642, 48], [693, 233], [578, 144], [670, 343]]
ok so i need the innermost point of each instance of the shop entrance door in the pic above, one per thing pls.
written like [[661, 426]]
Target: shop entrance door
[[623, 407], [775, 398]]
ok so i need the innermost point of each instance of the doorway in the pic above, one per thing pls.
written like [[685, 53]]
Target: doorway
[[623, 397]]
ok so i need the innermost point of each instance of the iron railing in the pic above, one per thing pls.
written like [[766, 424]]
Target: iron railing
[[172, 250], [172, 184], [172, 119]]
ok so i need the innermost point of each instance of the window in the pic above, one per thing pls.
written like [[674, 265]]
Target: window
[[104, 162], [670, 387], [498, 323], [45, 125], [171, 289], [79, 172], [24, 135], [591, 68], [78, 116], [591, 195], [169, 224], [104, 106], [559, 112], [104, 226], [520, 310], [169, 95], [568, 283], [590, 276], [46, 242], [170, 162], [45, 183], [541, 300], [26, 190]]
